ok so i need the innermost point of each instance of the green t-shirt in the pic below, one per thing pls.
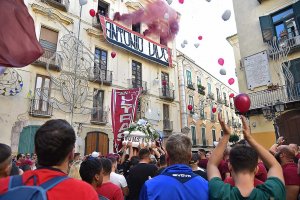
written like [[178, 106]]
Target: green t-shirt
[[272, 189]]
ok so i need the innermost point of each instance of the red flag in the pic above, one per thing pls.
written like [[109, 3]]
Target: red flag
[[18, 44], [123, 110]]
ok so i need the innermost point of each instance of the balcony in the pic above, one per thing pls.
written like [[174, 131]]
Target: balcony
[[50, 57], [211, 96], [213, 117], [101, 76], [166, 94], [201, 89], [283, 93], [220, 100], [226, 103], [59, 4], [168, 125], [99, 117], [191, 86], [231, 105], [134, 84], [203, 115], [40, 108]]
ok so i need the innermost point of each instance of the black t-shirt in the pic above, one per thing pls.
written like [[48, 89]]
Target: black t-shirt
[[160, 171], [201, 173], [138, 175]]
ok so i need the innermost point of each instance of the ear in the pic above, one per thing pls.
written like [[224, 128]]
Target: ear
[[8, 169], [256, 169], [230, 167]]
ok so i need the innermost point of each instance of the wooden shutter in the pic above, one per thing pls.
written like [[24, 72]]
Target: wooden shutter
[[26, 141], [267, 28], [48, 39]]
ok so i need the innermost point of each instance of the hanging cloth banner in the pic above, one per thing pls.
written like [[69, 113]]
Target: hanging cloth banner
[[134, 42], [123, 110]]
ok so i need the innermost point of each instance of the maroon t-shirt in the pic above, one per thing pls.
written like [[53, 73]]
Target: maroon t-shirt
[[223, 168], [290, 174], [110, 191], [298, 156], [230, 181], [203, 163], [262, 173]]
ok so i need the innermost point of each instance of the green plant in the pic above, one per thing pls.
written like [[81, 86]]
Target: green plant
[[234, 138], [201, 87]]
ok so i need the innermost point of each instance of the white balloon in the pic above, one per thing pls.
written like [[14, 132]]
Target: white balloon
[[226, 15], [169, 1], [208, 0], [196, 45], [182, 45], [185, 42], [166, 16], [82, 2], [222, 71]]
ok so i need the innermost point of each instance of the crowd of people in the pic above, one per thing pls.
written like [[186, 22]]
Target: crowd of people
[[169, 171]]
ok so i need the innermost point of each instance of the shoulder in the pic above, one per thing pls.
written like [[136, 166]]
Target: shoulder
[[274, 187], [4, 184]]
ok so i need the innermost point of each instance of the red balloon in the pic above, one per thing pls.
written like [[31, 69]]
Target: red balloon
[[200, 37], [221, 61], [231, 81], [214, 110], [181, 1], [92, 12], [231, 95], [113, 54], [242, 103], [190, 107]]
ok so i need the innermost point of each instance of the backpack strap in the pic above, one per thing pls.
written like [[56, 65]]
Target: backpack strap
[[53, 182], [15, 181]]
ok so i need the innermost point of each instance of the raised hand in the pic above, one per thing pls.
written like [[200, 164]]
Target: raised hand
[[224, 126], [246, 129]]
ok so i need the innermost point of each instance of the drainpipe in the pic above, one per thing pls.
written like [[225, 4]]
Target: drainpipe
[[183, 110]]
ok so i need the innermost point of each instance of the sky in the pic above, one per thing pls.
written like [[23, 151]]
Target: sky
[[199, 17]]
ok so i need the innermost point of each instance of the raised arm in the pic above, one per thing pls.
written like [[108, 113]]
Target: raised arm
[[217, 154], [269, 160]]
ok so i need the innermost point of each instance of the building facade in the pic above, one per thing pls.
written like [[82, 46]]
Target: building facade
[[267, 55], [74, 80], [200, 92]]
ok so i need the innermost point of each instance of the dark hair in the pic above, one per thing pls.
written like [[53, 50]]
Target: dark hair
[[126, 156], [5, 152], [54, 141], [143, 153], [112, 159], [107, 165], [76, 154], [195, 158], [89, 168], [162, 160], [202, 151], [19, 156], [134, 161], [243, 158]]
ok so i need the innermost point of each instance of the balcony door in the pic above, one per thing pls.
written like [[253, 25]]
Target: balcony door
[[166, 113], [194, 139], [203, 136], [97, 114], [41, 94], [289, 126], [96, 141], [136, 74], [165, 84], [26, 140], [100, 67]]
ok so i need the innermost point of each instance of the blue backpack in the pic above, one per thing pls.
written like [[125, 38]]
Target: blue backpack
[[17, 190]]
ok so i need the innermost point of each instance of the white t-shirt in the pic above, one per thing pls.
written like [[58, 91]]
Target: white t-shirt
[[118, 180]]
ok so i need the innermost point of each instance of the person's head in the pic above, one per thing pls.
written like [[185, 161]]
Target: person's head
[[284, 154], [20, 157], [34, 156], [28, 156], [179, 149], [106, 165], [207, 155], [54, 142], [91, 171], [134, 161], [114, 163], [74, 170], [195, 159], [76, 156], [5, 160], [162, 161], [144, 155], [243, 159], [202, 153], [294, 148]]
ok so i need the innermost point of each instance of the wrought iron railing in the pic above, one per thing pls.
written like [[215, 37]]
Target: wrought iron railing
[[101, 76], [166, 93], [40, 108], [283, 93], [191, 85], [213, 117], [211, 96], [50, 57], [203, 115], [168, 125], [99, 117], [220, 100], [289, 39], [134, 84], [60, 4]]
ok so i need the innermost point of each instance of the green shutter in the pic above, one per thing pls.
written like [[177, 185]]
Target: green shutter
[[26, 141], [267, 27], [296, 8]]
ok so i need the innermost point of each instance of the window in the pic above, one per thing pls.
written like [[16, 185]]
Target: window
[[165, 80], [213, 132], [48, 40], [103, 8], [191, 102], [225, 100], [209, 88], [203, 136], [202, 109], [97, 115], [295, 70], [212, 115], [198, 80], [188, 77], [163, 41], [136, 74], [283, 24], [100, 67], [136, 27], [194, 139], [218, 93], [42, 93]]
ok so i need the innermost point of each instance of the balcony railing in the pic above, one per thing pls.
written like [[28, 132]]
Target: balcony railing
[[191, 86], [167, 94], [203, 115], [60, 4], [133, 84], [213, 118], [101, 76], [200, 91], [231, 105], [168, 125], [283, 93], [99, 117], [40, 108], [220, 100], [211, 96], [49, 56]]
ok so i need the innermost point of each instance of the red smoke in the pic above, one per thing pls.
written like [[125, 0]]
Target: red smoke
[[155, 17]]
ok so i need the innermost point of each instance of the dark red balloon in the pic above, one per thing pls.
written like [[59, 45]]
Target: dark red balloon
[[231, 95], [181, 1], [113, 54], [190, 107], [214, 110], [242, 103], [92, 12]]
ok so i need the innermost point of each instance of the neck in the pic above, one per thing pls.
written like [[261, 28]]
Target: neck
[[144, 161], [63, 167], [286, 161], [106, 179], [244, 182], [194, 167], [175, 163], [203, 157], [94, 185]]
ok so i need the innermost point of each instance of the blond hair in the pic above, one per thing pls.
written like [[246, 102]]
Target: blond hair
[[74, 170]]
